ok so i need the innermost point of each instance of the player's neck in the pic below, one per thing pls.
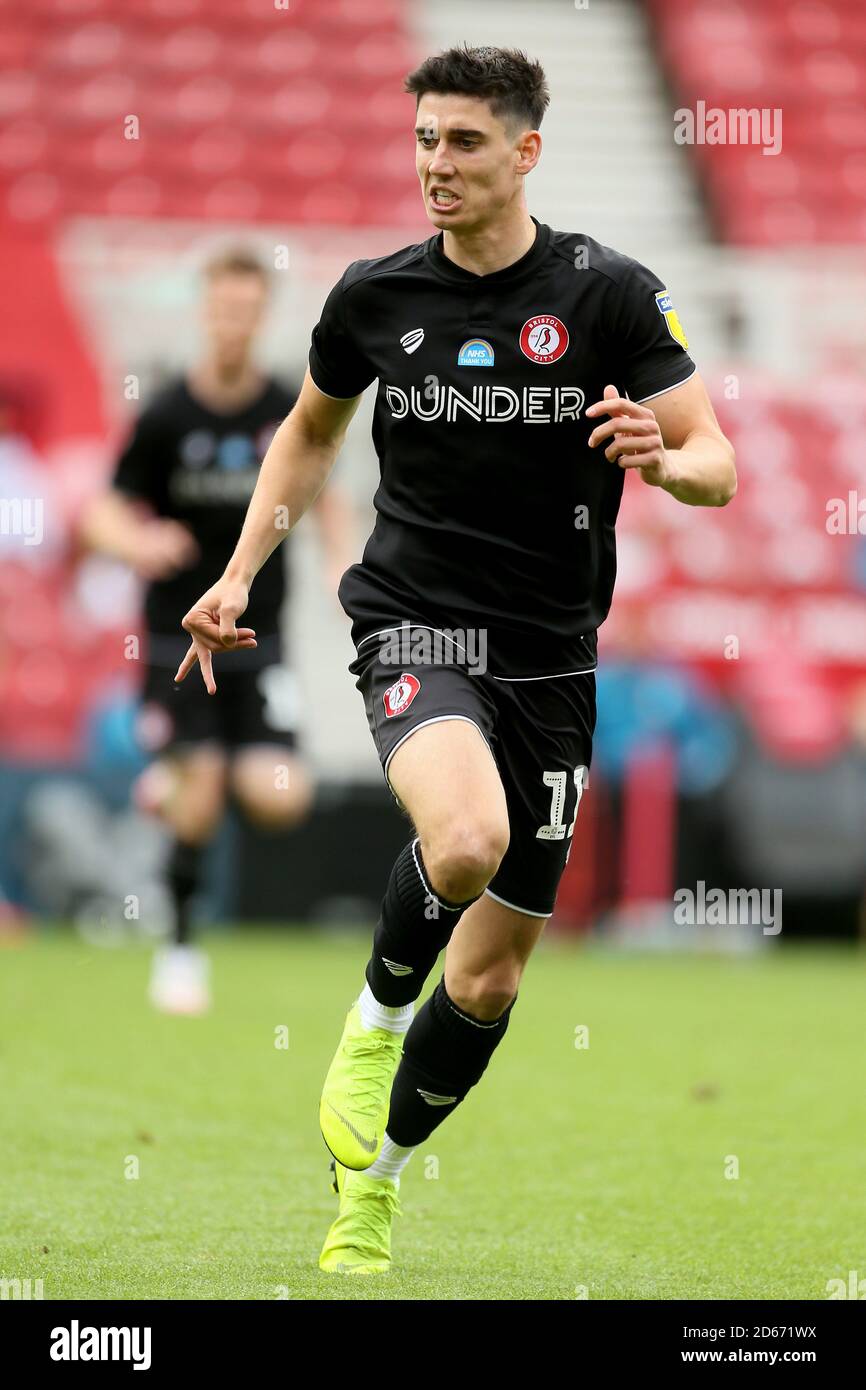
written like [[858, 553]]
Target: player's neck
[[493, 247], [222, 387]]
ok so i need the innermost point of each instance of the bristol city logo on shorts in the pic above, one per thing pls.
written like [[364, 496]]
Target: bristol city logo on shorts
[[543, 339], [399, 696]]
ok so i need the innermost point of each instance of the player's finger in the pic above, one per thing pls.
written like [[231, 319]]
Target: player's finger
[[618, 405], [187, 664], [210, 641], [228, 631], [610, 393], [202, 626], [205, 661], [631, 444], [622, 424], [638, 461]]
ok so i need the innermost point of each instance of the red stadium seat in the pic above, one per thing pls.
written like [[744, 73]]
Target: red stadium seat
[[809, 60], [229, 95]]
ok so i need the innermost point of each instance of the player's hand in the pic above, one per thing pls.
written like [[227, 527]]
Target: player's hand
[[163, 547], [635, 435], [212, 624]]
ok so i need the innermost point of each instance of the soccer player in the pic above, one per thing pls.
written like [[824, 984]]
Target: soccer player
[[522, 372], [193, 458]]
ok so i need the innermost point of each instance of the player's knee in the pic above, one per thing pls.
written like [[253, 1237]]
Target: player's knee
[[279, 810], [462, 862], [274, 794], [196, 807], [197, 818], [485, 995]]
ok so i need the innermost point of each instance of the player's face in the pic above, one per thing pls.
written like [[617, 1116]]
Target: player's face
[[468, 162], [233, 309]]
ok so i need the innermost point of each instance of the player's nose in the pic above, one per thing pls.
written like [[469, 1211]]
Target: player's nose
[[440, 163]]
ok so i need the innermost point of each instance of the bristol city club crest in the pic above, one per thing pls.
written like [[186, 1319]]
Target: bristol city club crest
[[399, 696], [543, 339]]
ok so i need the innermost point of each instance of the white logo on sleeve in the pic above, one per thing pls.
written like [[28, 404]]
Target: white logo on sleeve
[[411, 342]]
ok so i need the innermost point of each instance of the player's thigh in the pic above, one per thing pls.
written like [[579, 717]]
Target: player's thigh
[[446, 778], [270, 783], [193, 777], [487, 954], [433, 725]]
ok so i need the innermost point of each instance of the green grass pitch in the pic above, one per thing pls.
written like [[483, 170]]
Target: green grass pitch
[[569, 1172]]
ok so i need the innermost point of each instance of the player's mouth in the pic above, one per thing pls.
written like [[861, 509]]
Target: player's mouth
[[443, 200]]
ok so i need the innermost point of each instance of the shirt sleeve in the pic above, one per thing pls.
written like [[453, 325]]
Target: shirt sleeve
[[337, 364], [647, 343], [140, 469]]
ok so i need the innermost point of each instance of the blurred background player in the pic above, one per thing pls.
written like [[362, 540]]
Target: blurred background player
[[193, 458]]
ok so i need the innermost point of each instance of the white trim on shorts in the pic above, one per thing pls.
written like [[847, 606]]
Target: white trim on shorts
[[427, 627], [560, 675], [525, 910], [436, 719]]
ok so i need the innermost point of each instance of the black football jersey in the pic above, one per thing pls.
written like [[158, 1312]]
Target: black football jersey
[[200, 467], [492, 511]]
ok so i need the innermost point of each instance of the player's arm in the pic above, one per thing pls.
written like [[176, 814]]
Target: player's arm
[[114, 524], [674, 440], [123, 520], [334, 517], [293, 473]]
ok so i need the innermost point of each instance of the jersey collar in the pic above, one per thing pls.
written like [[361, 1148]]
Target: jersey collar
[[447, 269]]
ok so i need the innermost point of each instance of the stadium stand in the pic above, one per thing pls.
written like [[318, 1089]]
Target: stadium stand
[[283, 120], [807, 58]]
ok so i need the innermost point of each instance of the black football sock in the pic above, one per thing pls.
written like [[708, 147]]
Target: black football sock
[[182, 875], [445, 1052], [415, 924]]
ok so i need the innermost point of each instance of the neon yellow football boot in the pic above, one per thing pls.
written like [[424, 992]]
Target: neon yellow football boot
[[353, 1111], [359, 1241]]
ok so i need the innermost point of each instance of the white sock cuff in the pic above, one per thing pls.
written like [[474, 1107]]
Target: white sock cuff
[[391, 1161], [395, 1019]]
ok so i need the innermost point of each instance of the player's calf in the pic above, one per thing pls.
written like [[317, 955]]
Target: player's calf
[[445, 1054], [418, 917]]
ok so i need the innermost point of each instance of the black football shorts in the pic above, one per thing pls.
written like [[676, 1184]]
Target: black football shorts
[[255, 700], [538, 730]]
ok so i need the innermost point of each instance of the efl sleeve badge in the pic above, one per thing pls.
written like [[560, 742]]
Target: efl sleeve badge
[[667, 310]]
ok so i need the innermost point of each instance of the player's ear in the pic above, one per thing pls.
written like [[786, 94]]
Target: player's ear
[[528, 151]]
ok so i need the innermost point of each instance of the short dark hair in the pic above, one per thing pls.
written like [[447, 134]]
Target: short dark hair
[[514, 86], [235, 260]]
